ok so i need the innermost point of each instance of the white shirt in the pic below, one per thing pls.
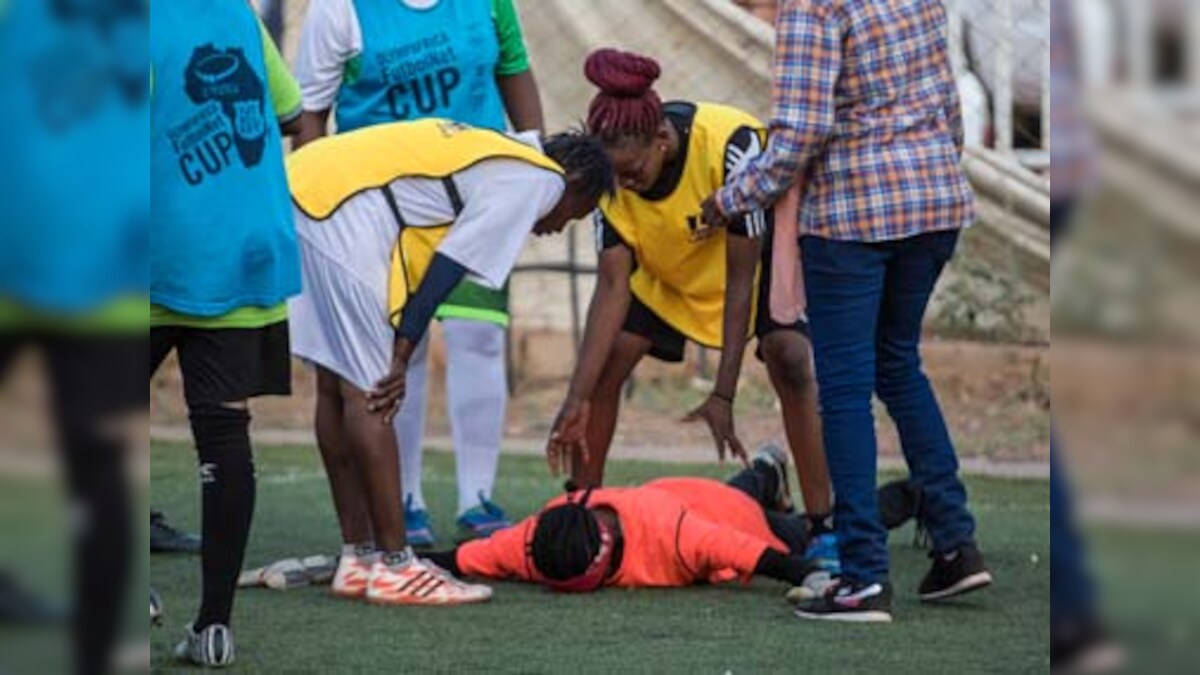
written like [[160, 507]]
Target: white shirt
[[502, 200]]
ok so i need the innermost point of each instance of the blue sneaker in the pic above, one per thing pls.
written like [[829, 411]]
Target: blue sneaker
[[482, 521], [822, 551], [419, 530]]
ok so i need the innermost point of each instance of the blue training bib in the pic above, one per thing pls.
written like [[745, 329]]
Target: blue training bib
[[418, 63], [222, 235]]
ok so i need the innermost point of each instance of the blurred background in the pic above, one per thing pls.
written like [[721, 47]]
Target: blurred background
[[1124, 313]]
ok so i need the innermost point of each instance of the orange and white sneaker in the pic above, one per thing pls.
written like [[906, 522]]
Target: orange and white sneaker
[[352, 576], [421, 583]]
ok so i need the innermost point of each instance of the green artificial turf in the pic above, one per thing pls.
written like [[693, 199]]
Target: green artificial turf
[[525, 629]]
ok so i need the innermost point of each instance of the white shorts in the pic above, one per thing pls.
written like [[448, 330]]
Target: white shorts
[[339, 322]]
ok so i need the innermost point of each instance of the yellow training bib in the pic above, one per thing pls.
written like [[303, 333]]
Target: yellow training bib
[[680, 273], [327, 173]]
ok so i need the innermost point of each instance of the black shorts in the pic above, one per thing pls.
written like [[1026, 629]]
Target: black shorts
[[225, 365], [91, 376], [667, 343]]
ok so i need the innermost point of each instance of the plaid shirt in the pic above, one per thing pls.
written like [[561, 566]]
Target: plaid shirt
[[1072, 147], [867, 115]]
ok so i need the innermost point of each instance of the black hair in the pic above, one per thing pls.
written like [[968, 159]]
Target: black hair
[[565, 541], [583, 159]]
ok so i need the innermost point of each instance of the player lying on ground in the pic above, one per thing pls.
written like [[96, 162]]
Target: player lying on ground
[[667, 277], [667, 533], [390, 219]]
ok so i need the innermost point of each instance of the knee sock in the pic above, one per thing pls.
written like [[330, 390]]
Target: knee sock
[[410, 426], [477, 392], [103, 542], [227, 504]]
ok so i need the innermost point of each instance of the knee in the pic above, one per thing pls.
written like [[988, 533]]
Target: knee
[[220, 426], [789, 362]]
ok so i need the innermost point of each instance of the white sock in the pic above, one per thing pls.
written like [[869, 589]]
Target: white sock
[[477, 393], [410, 426]]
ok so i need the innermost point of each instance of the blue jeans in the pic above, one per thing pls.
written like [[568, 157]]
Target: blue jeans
[[866, 304], [1072, 592]]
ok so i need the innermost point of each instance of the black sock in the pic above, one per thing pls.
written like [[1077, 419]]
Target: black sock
[[227, 483], [103, 543], [819, 524]]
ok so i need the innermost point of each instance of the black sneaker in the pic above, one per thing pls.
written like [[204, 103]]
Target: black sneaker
[[19, 607], [960, 571], [167, 539], [845, 601], [1083, 646]]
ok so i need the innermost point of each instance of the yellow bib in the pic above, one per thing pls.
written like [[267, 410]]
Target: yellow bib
[[325, 174], [681, 274]]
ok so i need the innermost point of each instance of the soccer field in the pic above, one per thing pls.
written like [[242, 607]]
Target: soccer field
[[525, 629]]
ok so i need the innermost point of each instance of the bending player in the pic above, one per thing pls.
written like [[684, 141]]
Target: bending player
[[390, 219], [666, 277], [670, 532]]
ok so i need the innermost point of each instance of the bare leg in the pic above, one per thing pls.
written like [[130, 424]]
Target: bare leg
[[790, 367], [373, 446], [344, 482], [606, 403]]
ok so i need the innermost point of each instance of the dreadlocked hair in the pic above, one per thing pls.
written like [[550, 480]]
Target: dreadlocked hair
[[626, 105], [565, 541], [587, 166]]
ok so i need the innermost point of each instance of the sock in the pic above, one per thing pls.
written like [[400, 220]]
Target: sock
[[227, 505], [410, 427], [362, 550], [398, 559], [103, 544], [819, 524], [477, 390]]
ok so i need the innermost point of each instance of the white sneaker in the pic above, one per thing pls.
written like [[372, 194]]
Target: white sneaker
[[352, 576], [420, 583]]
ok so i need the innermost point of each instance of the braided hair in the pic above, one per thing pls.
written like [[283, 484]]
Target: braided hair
[[585, 163], [627, 104], [565, 541]]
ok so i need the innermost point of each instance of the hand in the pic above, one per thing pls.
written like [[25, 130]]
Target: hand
[[388, 393], [718, 413], [712, 215], [568, 434]]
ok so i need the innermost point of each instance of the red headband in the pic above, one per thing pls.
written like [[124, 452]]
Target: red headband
[[593, 577]]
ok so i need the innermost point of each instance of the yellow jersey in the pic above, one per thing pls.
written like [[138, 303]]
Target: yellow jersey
[[680, 272], [327, 173]]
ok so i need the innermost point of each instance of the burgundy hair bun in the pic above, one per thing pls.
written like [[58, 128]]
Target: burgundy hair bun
[[621, 74]]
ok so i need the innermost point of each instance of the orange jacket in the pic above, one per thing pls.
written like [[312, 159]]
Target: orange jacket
[[677, 532]]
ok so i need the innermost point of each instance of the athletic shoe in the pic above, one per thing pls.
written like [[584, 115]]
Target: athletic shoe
[[822, 552], [899, 502], [352, 576], [20, 607], [419, 583], [418, 527], [960, 571], [1083, 647], [210, 648], [166, 539], [156, 608], [774, 458], [845, 601], [482, 521]]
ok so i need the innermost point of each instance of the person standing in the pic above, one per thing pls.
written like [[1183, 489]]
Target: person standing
[[1079, 640], [375, 61], [867, 120], [223, 261]]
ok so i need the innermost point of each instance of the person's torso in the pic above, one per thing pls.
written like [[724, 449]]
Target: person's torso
[[75, 230], [891, 157], [222, 234], [417, 63], [680, 263], [384, 197]]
